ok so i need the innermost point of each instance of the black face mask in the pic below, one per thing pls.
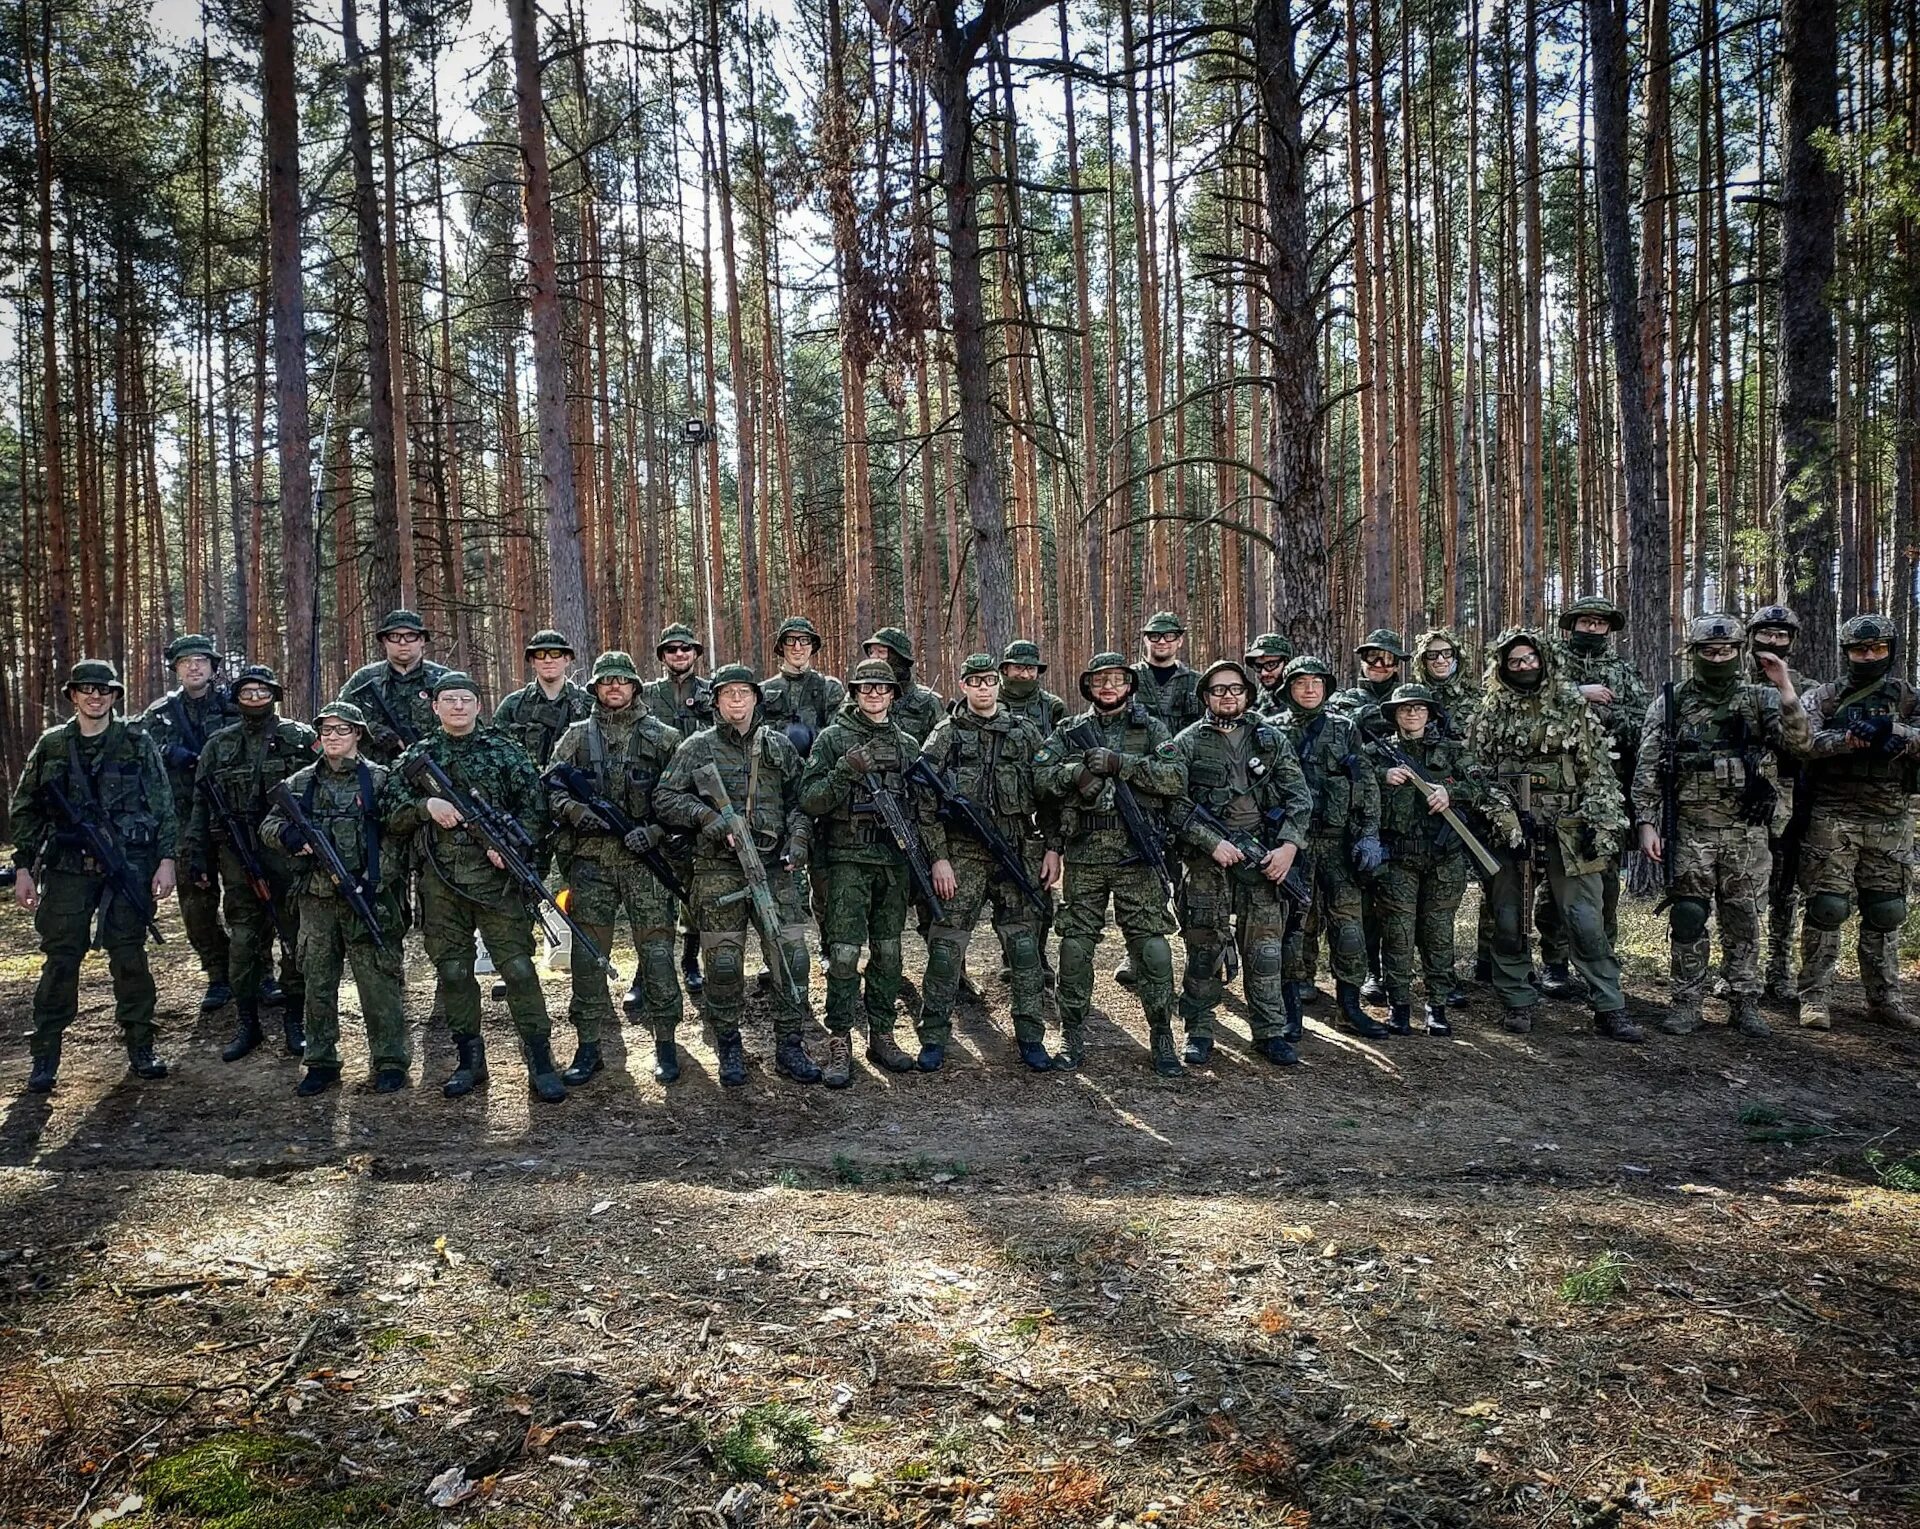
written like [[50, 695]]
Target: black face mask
[[1588, 644], [1717, 678], [1526, 681], [1018, 690], [1871, 672], [256, 713]]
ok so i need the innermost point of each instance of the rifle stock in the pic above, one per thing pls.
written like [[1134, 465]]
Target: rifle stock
[[758, 891]]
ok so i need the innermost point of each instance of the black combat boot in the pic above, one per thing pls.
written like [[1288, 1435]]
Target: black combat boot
[[790, 1060], [666, 1058], [690, 966], [1280, 1051], [1615, 1026], [732, 1057], [1199, 1050], [543, 1075], [1354, 1019], [271, 992], [471, 1071], [1560, 982], [1400, 1018], [246, 1033], [1166, 1061], [389, 1080], [317, 1080], [46, 1068], [142, 1063], [586, 1062], [1437, 1020], [1073, 1048], [1290, 1001], [293, 1026], [217, 996], [1034, 1054]]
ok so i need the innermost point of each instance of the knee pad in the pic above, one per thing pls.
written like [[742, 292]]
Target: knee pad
[[1156, 960], [843, 962], [724, 963], [1588, 936], [886, 955], [517, 971], [1023, 947], [1829, 910], [1266, 958], [1687, 918], [454, 971], [1349, 939], [1883, 912]]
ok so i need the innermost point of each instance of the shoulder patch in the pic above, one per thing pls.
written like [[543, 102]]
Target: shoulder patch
[[1167, 750]]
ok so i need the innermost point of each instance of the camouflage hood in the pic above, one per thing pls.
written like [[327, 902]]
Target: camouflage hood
[[1498, 691]]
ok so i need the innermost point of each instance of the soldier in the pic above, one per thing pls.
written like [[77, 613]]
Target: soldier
[[1585, 657], [918, 707], [1438, 664], [463, 886], [1022, 694], [868, 886], [799, 699], [535, 715], [1381, 654], [1346, 811], [684, 701], [1102, 863], [241, 764], [112, 774], [1168, 688], [760, 769], [1859, 843], [180, 723], [987, 754], [394, 694], [1267, 655], [1724, 737], [339, 796], [625, 748], [1425, 876], [1242, 770], [1537, 731], [1774, 629]]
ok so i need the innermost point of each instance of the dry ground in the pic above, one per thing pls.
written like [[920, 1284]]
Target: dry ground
[[1493, 1281]]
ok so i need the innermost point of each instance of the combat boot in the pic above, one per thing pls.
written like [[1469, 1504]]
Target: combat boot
[[1280, 1051], [142, 1063], [217, 996], [690, 966], [666, 1058], [1034, 1054], [1747, 1020], [1199, 1051], [246, 1034], [1483, 969], [1290, 1002], [1680, 1021], [293, 1027], [46, 1068], [1813, 1013], [471, 1070], [838, 1072], [884, 1051], [732, 1057], [1889, 1009], [1560, 982], [1437, 1023], [1073, 1048], [543, 1077], [271, 992], [389, 1080], [791, 1060], [1615, 1026], [1780, 987], [1400, 1018], [317, 1080], [586, 1062], [1354, 1019], [1373, 990], [635, 1000], [1518, 1021], [933, 1056], [1166, 1061]]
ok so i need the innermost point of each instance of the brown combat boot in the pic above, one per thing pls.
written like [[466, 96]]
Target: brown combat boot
[[838, 1072], [884, 1051]]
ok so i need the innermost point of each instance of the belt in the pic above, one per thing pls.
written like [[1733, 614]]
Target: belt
[[1097, 822]]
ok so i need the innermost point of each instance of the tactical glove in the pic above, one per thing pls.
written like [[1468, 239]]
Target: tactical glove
[[857, 759], [644, 836], [1875, 731], [1369, 854], [1098, 761]]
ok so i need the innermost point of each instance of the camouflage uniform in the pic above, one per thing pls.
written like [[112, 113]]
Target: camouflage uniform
[[1589, 658], [1726, 791], [991, 761], [246, 760], [686, 707], [120, 771], [535, 720], [1549, 735], [1170, 692], [1245, 772], [1102, 866], [1457, 697], [760, 770], [1783, 896], [398, 707], [1364, 697], [1030, 701], [918, 707], [1271, 701], [626, 752], [180, 726], [1859, 844], [343, 802], [800, 703]]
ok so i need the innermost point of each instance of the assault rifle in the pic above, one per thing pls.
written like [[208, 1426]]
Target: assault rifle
[[408, 734], [353, 890], [964, 812], [757, 892], [245, 839], [1133, 818], [884, 805], [1294, 885], [98, 841], [1669, 788], [1388, 748], [581, 786], [501, 833]]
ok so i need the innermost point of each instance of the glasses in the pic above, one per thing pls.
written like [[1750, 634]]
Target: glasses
[[676, 647], [873, 687], [542, 653], [1226, 690], [337, 732], [981, 681], [92, 689], [403, 636], [1433, 653]]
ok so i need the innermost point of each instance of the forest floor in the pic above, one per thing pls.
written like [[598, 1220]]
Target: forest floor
[[1492, 1280]]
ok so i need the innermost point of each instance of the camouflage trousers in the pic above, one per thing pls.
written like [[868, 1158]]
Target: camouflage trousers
[[64, 922], [1336, 913], [723, 914], [200, 912], [448, 922], [1783, 907], [1844, 860], [1210, 903], [1014, 921], [1556, 947], [598, 894], [1416, 897], [1722, 872], [251, 930], [1580, 901], [1140, 909], [332, 937], [866, 905]]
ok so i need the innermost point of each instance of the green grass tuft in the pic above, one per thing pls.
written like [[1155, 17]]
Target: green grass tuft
[[1599, 1281], [1901, 1173], [1760, 1115], [770, 1435]]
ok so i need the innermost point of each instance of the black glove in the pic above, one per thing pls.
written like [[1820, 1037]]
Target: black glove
[[644, 837], [1098, 761], [180, 757], [1589, 842], [1529, 828], [293, 839], [1369, 854], [1875, 731], [857, 760]]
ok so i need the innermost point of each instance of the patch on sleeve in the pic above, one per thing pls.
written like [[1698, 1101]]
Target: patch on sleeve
[[1167, 751], [1045, 756]]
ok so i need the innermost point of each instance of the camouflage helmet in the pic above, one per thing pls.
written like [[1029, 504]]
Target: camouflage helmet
[[1409, 695], [1269, 645], [1307, 663], [94, 671], [1385, 639], [343, 711], [731, 674], [1775, 615], [401, 621], [258, 674], [894, 641], [614, 665], [191, 645], [1021, 651], [1101, 661], [1714, 628], [679, 631], [1593, 605], [797, 626], [548, 639], [1163, 624], [454, 679], [978, 663], [1207, 674], [1871, 627], [873, 671]]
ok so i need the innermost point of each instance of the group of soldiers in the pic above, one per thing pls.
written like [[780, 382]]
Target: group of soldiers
[[1252, 807]]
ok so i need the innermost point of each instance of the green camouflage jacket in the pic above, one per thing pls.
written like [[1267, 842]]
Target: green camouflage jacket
[[916, 709], [180, 727], [1623, 718], [344, 804], [1170, 693], [801, 705], [1248, 776], [1034, 703], [120, 769], [761, 773], [841, 802], [1718, 736], [246, 760], [398, 707], [1407, 827], [626, 752], [1346, 793], [535, 723], [1089, 826], [684, 708], [483, 761], [991, 761]]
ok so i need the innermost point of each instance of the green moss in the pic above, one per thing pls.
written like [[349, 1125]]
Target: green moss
[[255, 1481]]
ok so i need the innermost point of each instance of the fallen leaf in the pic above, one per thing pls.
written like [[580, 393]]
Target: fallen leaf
[[133, 1502], [451, 1488], [1484, 1408]]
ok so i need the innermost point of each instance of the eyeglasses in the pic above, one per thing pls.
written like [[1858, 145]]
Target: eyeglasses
[[676, 647], [551, 653], [92, 689], [1433, 653], [403, 636], [873, 687], [980, 681], [338, 732], [1226, 690]]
